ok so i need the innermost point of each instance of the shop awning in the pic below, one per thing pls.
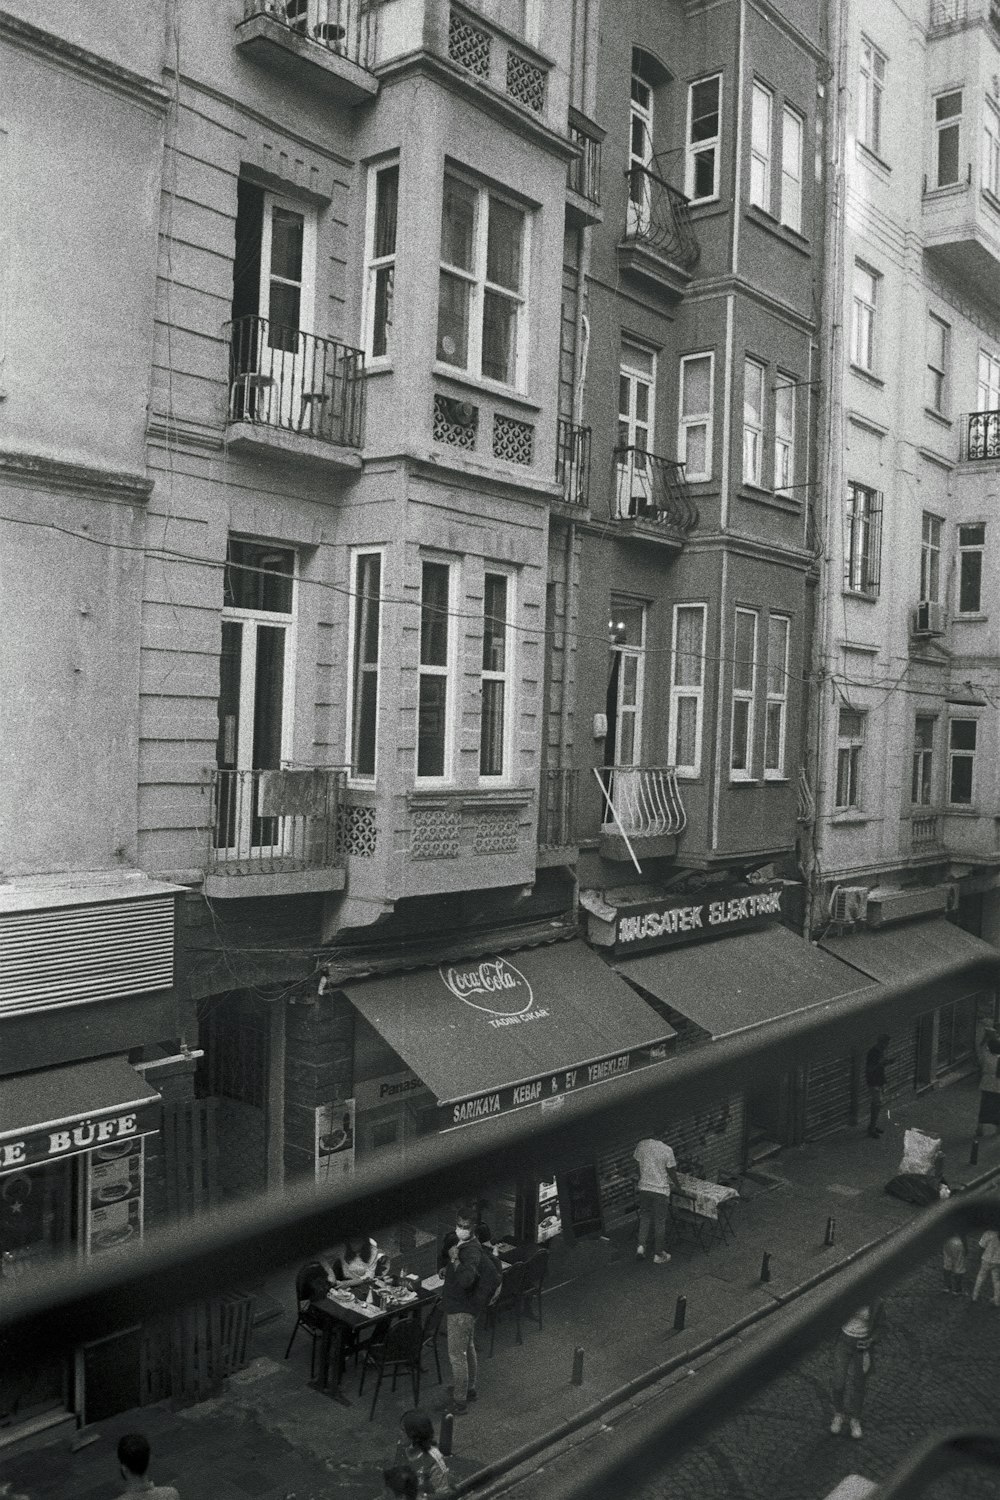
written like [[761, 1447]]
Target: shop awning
[[61, 1111], [493, 1034], [912, 952], [742, 981]]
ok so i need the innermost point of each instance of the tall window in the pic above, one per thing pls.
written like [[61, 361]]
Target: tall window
[[434, 708], [937, 363], [481, 301], [495, 720], [640, 153], [947, 138], [971, 546], [778, 627], [627, 636], [988, 384], [704, 133], [753, 421], [850, 743], [991, 148], [871, 84], [687, 688], [863, 326], [381, 271], [922, 788], [695, 426], [862, 540], [961, 761], [636, 400], [365, 629], [760, 146], [930, 559], [784, 434], [744, 688], [791, 169]]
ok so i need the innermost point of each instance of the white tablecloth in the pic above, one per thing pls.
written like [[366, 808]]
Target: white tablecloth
[[703, 1197]]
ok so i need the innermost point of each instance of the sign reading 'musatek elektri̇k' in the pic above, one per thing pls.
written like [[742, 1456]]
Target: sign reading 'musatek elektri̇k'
[[714, 912]]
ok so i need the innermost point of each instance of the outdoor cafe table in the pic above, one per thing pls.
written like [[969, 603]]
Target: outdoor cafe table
[[704, 1207], [341, 1322]]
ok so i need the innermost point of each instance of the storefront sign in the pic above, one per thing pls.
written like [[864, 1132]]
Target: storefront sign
[[495, 987], [334, 1135], [73, 1137], [114, 1195], [546, 1089], [716, 912], [387, 1088]]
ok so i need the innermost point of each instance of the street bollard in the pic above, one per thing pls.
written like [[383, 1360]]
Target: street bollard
[[974, 1153], [447, 1434], [765, 1267], [680, 1312], [831, 1227], [577, 1366]]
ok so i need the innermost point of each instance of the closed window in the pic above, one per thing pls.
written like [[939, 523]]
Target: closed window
[[871, 85], [694, 439], [365, 643], [791, 169], [922, 789], [862, 540], [626, 680], [760, 146], [930, 559], [863, 324], [991, 148], [988, 384], [703, 139], [971, 546], [947, 138], [961, 761], [776, 715], [850, 744], [744, 690], [495, 726], [636, 403], [481, 296], [687, 688], [381, 270], [640, 155], [753, 421], [938, 335], [784, 435], [435, 690]]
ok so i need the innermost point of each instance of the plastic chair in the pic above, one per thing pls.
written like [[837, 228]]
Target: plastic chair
[[399, 1347], [432, 1332], [510, 1299], [535, 1271], [305, 1317]]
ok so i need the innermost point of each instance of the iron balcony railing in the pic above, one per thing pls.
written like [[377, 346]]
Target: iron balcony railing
[[659, 216], [346, 27], [925, 831], [980, 435], [806, 802], [281, 377], [583, 175], [651, 488], [642, 801], [276, 821], [945, 14], [573, 462], [558, 807]]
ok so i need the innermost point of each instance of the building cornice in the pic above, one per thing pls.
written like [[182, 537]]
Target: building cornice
[[52, 48], [724, 286], [39, 471], [430, 466]]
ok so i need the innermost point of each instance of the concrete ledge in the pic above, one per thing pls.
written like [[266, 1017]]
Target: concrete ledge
[[258, 438], [274, 883]]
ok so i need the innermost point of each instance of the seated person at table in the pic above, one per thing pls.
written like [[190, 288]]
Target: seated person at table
[[362, 1259], [316, 1279]]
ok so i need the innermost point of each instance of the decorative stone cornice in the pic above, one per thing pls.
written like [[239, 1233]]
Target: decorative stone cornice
[[53, 48], [39, 471]]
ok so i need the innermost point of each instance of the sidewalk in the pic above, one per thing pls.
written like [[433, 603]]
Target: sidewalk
[[270, 1437]]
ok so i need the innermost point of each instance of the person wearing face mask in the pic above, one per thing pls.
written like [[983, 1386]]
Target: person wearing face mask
[[470, 1279]]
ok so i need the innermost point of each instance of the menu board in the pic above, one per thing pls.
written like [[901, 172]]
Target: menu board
[[334, 1137], [114, 1196]]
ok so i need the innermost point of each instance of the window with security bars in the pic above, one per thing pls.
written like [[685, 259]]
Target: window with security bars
[[687, 688], [850, 746], [922, 788], [495, 715], [962, 737], [862, 540]]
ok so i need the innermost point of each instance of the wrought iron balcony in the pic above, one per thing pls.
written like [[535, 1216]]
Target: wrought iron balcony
[[653, 493], [583, 175], [660, 245], [642, 802], [282, 378], [980, 436], [283, 826], [806, 802], [952, 15], [336, 40], [573, 463], [557, 809], [925, 832]]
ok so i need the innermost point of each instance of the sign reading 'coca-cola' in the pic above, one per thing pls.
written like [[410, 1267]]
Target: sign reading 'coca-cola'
[[495, 987]]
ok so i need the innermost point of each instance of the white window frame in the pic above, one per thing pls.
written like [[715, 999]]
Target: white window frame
[[863, 540], [988, 382], [479, 285], [744, 695], [784, 440], [753, 431], [376, 263], [355, 555], [687, 692], [698, 148], [686, 421], [966, 549], [761, 126], [448, 672], [938, 337], [941, 126], [931, 532], [791, 168], [990, 166], [777, 698], [307, 282], [864, 319], [853, 747], [639, 207], [871, 89], [955, 755], [634, 709], [922, 769], [506, 677]]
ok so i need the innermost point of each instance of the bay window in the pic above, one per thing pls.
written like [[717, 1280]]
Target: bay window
[[962, 735], [436, 690], [481, 295], [365, 645], [381, 259], [753, 421], [744, 690], [704, 139], [687, 688], [784, 435], [694, 438], [776, 714], [495, 726]]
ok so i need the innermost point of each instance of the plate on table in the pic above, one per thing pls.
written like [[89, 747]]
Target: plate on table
[[116, 1235], [110, 1192]]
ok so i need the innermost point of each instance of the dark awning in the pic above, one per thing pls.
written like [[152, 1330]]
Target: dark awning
[[62, 1111], [915, 951], [742, 981], [492, 1034]]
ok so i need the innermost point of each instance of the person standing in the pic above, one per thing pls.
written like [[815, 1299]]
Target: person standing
[[876, 1063], [988, 1055], [470, 1280], [989, 1266], [657, 1171], [416, 1446], [852, 1363], [133, 1462]]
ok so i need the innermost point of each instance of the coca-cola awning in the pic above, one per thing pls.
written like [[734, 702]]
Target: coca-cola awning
[[491, 1034]]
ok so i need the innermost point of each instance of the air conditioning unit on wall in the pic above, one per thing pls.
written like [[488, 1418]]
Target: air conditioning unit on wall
[[929, 618], [885, 905], [847, 904]]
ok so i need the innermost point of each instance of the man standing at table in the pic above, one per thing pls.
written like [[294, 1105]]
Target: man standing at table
[[470, 1280], [657, 1170]]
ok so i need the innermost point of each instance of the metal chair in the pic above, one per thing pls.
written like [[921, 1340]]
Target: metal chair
[[535, 1271], [305, 1317], [510, 1299], [398, 1347], [432, 1332]]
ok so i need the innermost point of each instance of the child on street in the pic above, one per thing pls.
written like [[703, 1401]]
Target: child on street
[[416, 1447], [989, 1265]]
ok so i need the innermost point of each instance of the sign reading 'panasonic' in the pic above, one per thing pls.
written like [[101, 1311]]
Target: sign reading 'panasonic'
[[660, 924]]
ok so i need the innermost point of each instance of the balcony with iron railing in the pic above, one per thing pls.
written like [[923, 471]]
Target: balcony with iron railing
[[573, 464], [276, 831], [583, 175], [643, 812], [557, 815], [295, 392], [925, 833], [947, 16], [329, 44], [652, 499], [980, 436], [659, 246]]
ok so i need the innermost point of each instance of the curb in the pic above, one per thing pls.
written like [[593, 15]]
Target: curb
[[500, 1476]]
